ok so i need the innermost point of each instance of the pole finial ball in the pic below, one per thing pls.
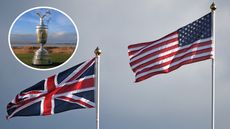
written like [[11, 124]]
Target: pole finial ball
[[97, 51], [213, 6]]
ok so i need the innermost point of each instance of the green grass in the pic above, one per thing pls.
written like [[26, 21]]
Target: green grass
[[57, 59]]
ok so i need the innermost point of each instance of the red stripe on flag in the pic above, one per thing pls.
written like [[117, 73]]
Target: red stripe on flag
[[174, 60], [152, 54], [47, 106], [147, 43], [157, 59], [87, 83], [76, 101], [139, 45], [168, 49], [156, 46], [50, 83], [31, 92], [81, 71], [173, 68]]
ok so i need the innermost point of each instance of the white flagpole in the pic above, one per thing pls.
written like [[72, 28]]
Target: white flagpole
[[213, 8], [97, 84]]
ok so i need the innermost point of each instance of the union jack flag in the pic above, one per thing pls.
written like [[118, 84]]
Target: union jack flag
[[67, 90]]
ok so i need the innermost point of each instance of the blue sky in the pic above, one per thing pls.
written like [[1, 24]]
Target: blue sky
[[60, 27]]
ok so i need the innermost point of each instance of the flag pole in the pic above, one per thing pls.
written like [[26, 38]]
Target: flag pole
[[97, 84], [213, 8]]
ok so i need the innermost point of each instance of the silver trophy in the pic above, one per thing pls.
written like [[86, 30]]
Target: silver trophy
[[41, 56]]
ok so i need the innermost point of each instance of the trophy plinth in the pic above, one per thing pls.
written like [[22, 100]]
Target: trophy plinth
[[41, 56]]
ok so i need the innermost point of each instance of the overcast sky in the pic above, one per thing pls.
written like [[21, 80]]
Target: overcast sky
[[178, 100]]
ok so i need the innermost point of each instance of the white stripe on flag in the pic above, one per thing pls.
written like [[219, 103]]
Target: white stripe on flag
[[171, 65]]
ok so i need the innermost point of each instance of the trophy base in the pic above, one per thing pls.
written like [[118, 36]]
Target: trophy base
[[41, 57]]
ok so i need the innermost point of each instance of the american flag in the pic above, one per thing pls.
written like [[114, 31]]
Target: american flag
[[189, 44], [67, 90]]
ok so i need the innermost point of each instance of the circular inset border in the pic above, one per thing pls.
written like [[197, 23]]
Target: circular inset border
[[41, 7]]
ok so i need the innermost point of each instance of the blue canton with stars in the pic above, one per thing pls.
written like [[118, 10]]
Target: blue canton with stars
[[199, 29]]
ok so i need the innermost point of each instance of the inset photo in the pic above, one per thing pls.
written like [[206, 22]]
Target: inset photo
[[43, 38]]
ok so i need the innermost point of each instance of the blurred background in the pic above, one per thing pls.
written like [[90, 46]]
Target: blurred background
[[178, 100]]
